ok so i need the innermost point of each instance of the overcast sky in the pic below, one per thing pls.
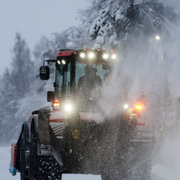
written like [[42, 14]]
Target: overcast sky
[[33, 18]]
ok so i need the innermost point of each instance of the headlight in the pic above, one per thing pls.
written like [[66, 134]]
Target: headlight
[[126, 106], [63, 62], [91, 55], [82, 55], [68, 107], [105, 56], [114, 56]]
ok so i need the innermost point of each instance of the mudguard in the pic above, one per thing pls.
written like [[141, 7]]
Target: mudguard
[[26, 128], [43, 126]]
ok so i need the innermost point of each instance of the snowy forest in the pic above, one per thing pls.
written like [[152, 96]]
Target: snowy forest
[[147, 66]]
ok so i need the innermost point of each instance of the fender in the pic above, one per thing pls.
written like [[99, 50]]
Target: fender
[[43, 126], [26, 127]]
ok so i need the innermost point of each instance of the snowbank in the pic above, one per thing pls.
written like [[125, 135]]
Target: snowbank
[[161, 172]]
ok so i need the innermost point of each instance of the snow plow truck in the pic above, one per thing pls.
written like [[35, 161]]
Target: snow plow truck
[[76, 134]]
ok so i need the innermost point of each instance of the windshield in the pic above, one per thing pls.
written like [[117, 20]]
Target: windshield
[[89, 80], [84, 81]]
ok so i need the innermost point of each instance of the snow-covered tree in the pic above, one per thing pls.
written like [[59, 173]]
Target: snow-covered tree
[[72, 38], [115, 20], [15, 84], [22, 67], [8, 106]]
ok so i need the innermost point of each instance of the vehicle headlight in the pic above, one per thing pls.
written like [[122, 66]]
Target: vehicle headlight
[[105, 56], [126, 106], [91, 55], [82, 55], [114, 56], [68, 107], [63, 61]]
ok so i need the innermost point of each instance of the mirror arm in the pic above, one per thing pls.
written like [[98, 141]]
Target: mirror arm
[[48, 61]]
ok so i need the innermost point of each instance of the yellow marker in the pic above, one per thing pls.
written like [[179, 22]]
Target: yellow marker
[[76, 134]]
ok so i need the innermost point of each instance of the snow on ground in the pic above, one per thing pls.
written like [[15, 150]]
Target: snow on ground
[[159, 171], [4, 164], [80, 177], [168, 166], [5, 175]]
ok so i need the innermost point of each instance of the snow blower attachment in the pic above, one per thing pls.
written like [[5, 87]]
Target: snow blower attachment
[[76, 135]]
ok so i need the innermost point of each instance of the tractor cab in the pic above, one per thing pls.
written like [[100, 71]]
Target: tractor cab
[[80, 76]]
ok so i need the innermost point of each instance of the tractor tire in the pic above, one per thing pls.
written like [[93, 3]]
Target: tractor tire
[[23, 145], [33, 156], [42, 167]]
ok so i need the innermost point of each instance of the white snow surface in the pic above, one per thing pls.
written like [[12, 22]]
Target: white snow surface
[[161, 172], [80, 177], [5, 153], [168, 170], [5, 158]]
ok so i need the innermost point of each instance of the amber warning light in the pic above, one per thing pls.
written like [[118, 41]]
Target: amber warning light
[[139, 106]]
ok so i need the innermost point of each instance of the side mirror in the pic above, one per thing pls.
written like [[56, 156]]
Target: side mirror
[[50, 96], [44, 72]]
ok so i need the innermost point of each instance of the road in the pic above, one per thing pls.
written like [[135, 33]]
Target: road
[[159, 171]]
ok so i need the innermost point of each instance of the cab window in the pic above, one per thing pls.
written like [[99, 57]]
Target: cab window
[[67, 80], [59, 83]]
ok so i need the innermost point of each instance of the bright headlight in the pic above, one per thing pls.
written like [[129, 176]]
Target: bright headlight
[[105, 56], [63, 62], [114, 56], [126, 106], [91, 55], [82, 55], [68, 107]]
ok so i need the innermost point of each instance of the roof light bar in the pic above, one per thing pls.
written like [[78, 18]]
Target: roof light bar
[[105, 56], [82, 55], [91, 55], [63, 61]]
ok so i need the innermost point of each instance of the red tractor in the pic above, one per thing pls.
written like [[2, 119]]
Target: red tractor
[[77, 134]]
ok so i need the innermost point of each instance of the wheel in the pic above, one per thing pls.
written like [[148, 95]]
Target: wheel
[[33, 156], [23, 148], [42, 167]]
